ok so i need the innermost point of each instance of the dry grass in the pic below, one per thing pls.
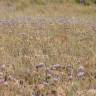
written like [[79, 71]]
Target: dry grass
[[49, 55]]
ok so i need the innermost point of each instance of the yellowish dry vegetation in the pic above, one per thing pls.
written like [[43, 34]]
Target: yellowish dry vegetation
[[48, 50]]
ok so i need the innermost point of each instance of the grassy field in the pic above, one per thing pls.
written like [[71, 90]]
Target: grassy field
[[48, 50]]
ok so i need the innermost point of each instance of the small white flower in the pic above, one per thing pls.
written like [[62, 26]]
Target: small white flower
[[56, 79], [81, 74], [56, 66]]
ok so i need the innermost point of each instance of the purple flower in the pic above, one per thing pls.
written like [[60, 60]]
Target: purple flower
[[56, 78], [1, 81], [81, 72], [55, 66]]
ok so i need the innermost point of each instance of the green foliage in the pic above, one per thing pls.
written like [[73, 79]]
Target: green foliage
[[56, 1], [40, 2], [94, 1], [87, 2]]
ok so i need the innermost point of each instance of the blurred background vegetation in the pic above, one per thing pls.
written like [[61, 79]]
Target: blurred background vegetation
[[44, 2], [13, 8]]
